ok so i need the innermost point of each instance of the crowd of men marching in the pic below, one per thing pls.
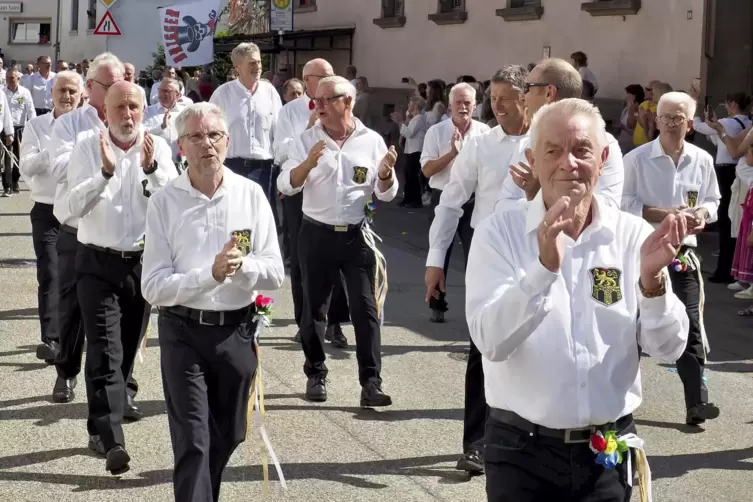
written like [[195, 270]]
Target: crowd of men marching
[[569, 244]]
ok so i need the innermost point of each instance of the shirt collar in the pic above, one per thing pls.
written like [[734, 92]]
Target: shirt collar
[[604, 217], [184, 183], [658, 151], [360, 128]]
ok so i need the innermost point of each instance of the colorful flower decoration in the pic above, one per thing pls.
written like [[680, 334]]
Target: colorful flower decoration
[[263, 305], [312, 105], [680, 264], [608, 448], [370, 210]]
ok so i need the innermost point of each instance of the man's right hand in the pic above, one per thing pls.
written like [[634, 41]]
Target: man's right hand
[[523, 176], [227, 261], [434, 279], [455, 141], [315, 154], [550, 247], [108, 155]]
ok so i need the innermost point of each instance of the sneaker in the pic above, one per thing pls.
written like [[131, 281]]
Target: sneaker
[[16, 189], [737, 286], [426, 198], [746, 294], [6, 193]]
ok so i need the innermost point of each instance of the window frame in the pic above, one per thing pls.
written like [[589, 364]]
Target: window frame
[[611, 7], [75, 11], [91, 20], [394, 20], [521, 10], [457, 15], [29, 20], [299, 8]]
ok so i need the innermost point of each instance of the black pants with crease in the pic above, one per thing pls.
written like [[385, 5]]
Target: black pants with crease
[[44, 231]]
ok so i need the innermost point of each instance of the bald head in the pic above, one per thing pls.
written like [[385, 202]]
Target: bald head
[[313, 72], [124, 109]]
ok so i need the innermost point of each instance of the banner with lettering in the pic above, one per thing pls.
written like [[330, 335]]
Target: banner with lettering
[[188, 32]]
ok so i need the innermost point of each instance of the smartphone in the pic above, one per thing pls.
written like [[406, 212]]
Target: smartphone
[[405, 80], [706, 102]]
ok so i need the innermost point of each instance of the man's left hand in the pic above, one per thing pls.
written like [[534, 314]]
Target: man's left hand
[[147, 152], [660, 248], [388, 163], [696, 221]]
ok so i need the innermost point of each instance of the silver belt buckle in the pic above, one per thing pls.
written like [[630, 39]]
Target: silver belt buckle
[[201, 319], [341, 228], [569, 440]]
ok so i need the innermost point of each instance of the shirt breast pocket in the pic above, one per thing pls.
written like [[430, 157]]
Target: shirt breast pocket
[[690, 193], [266, 121]]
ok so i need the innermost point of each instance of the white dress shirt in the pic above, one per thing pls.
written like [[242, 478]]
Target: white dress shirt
[[291, 122], [67, 131], [609, 185], [414, 133], [7, 116], [185, 230], [438, 143], [153, 118], [587, 74], [35, 162], [154, 93], [652, 179], [333, 196], [113, 211], [251, 118], [731, 127], [557, 350], [480, 168], [40, 92], [21, 105]]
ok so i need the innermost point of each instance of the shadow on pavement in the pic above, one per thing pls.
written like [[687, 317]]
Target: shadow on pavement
[[678, 465], [50, 414], [18, 314], [687, 429], [20, 350]]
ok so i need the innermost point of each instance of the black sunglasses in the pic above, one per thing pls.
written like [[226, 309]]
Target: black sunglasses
[[527, 86]]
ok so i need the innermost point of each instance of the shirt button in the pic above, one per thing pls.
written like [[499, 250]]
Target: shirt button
[[583, 386]]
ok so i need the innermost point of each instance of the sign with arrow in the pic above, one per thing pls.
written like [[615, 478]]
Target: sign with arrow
[[107, 26], [108, 3]]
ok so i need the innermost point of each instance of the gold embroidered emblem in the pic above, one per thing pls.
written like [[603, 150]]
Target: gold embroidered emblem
[[244, 241], [20, 100], [360, 174], [692, 196], [606, 285]]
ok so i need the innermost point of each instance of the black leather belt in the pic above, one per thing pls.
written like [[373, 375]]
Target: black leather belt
[[249, 163], [210, 317], [579, 435], [334, 228], [69, 229], [126, 255]]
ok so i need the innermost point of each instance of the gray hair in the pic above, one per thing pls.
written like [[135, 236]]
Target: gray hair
[[678, 98], [463, 86], [513, 74], [106, 59], [243, 50], [173, 81], [569, 107], [201, 110], [342, 86], [563, 76], [68, 75], [421, 102]]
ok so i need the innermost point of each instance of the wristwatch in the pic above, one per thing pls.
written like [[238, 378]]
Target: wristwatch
[[387, 178], [654, 293], [105, 174], [152, 168]]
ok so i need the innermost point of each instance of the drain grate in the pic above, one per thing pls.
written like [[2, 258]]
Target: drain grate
[[17, 263]]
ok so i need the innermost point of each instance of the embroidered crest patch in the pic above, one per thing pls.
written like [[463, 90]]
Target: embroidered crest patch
[[147, 193], [692, 196], [606, 285], [244, 241], [20, 100], [360, 174]]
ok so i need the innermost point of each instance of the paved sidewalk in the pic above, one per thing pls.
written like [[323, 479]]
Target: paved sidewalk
[[335, 451]]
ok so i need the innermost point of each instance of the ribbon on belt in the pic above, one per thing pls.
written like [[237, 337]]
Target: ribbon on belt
[[256, 409], [641, 465], [380, 271], [696, 269]]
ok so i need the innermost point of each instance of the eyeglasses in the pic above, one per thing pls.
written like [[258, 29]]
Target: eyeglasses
[[674, 120], [527, 86], [104, 86], [197, 139], [324, 101]]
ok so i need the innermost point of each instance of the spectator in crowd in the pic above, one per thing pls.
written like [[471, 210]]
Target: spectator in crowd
[[363, 102], [292, 89], [634, 96], [580, 62]]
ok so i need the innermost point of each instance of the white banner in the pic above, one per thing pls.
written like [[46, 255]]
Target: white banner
[[188, 32]]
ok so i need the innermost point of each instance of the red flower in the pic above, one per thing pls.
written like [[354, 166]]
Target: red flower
[[312, 105], [598, 442], [263, 302]]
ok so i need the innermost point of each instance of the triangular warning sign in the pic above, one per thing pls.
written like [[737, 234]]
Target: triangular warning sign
[[107, 25]]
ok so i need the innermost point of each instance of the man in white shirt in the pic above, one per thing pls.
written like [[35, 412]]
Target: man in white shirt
[[552, 80], [671, 176], [580, 63], [111, 177], [480, 169], [413, 129], [21, 109], [251, 105], [38, 85], [168, 72], [35, 167], [159, 118], [7, 135], [202, 273], [442, 145], [294, 118], [554, 288], [341, 164]]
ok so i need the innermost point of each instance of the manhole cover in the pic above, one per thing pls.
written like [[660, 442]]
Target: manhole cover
[[17, 263]]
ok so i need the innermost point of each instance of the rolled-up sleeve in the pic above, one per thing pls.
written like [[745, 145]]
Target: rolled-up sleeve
[[391, 192], [296, 156], [502, 308], [34, 161]]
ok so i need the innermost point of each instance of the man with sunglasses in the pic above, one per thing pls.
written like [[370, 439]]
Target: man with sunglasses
[[671, 176], [553, 80], [295, 117]]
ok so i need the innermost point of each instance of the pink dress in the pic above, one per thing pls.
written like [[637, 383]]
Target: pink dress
[[742, 265]]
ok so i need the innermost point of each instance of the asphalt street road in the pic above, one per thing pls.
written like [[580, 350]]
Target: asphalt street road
[[335, 451]]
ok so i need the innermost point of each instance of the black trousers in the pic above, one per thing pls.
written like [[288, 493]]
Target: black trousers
[[11, 174], [338, 312], [324, 255], [464, 232], [44, 232], [206, 375], [690, 366], [70, 325], [521, 467], [112, 309], [256, 170], [413, 189], [725, 175]]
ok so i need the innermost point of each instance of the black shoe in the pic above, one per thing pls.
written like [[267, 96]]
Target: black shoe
[[96, 445], [372, 396], [131, 412], [62, 392], [117, 460], [437, 316], [721, 280], [6, 193], [699, 413], [297, 337], [48, 351], [472, 461], [16, 189], [316, 389], [335, 335]]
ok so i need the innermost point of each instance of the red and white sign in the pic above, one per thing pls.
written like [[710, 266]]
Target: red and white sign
[[107, 25], [188, 32]]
